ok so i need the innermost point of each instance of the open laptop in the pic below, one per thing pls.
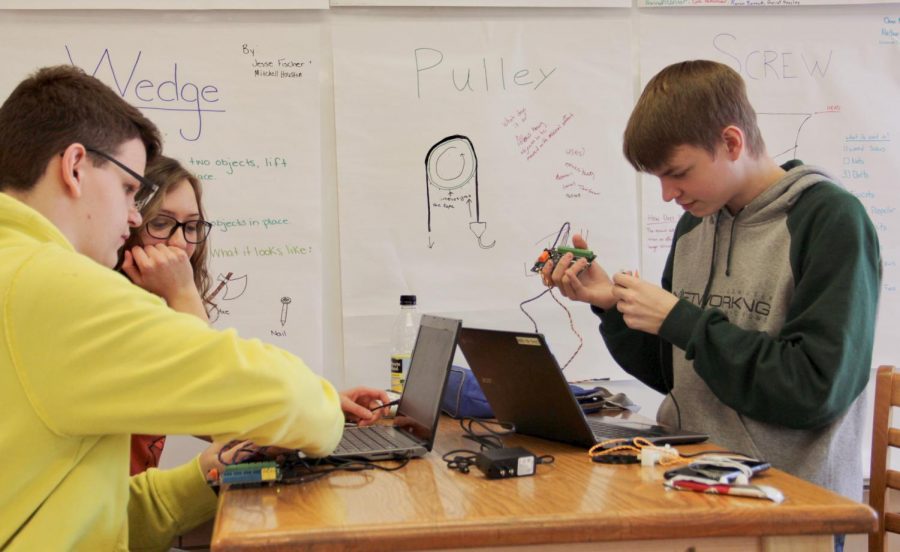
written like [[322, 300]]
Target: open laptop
[[524, 385], [415, 424]]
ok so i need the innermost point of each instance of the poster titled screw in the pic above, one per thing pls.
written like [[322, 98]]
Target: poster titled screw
[[165, 93]]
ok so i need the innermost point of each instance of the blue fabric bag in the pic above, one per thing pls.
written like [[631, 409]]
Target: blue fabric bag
[[463, 397]]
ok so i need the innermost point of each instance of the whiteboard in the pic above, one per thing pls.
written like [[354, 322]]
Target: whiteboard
[[825, 85], [238, 101], [380, 114], [522, 117]]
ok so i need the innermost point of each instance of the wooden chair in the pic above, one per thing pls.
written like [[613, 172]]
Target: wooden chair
[[884, 435]]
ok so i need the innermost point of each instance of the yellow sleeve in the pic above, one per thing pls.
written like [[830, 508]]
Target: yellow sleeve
[[164, 504], [98, 355]]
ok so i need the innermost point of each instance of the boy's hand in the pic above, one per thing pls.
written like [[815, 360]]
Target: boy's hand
[[580, 280], [357, 404], [231, 453], [643, 305]]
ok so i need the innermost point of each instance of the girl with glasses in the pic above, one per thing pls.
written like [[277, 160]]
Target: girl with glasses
[[167, 255]]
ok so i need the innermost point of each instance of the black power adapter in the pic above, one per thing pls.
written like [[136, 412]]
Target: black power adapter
[[500, 463]]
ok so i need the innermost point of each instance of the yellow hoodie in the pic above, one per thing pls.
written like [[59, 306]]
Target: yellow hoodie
[[86, 360]]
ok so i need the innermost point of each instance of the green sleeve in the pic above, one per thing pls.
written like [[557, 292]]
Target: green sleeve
[[644, 356], [638, 353], [164, 504], [813, 369]]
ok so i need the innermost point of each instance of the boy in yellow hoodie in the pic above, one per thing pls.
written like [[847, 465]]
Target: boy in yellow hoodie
[[87, 358]]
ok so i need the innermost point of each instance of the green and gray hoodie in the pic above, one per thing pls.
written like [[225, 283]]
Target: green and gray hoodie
[[773, 329]]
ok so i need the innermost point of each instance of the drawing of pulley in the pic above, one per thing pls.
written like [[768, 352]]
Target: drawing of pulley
[[451, 163]]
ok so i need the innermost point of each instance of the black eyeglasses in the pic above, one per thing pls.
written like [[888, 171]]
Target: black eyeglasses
[[147, 190], [162, 227]]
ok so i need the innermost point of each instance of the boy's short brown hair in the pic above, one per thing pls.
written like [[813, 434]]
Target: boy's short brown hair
[[56, 107], [688, 103]]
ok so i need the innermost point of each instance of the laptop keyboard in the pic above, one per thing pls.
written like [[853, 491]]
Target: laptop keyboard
[[603, 430], [364, 439]]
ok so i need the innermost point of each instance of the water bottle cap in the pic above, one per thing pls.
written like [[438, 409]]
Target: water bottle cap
[[407, 300]]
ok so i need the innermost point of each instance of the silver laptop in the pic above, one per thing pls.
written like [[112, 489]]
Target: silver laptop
[[415, 424], [525, 386]]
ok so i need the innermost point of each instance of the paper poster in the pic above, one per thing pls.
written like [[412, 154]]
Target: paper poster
[[238, 102], [463, 145], [825, 88]]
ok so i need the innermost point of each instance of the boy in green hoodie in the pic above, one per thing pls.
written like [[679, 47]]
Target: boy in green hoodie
[[761, 333]]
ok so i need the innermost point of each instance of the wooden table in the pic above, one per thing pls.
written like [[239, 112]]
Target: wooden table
[[587, 506]]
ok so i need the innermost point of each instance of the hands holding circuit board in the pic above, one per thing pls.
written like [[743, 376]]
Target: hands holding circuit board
[[572, 270]]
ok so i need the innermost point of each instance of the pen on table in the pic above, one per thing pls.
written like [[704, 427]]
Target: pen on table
[[754, 491]]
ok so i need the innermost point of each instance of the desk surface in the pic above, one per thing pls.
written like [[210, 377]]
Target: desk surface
[[427, 506]]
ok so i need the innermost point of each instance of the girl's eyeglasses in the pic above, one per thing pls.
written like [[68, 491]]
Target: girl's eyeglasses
[[162, 227]]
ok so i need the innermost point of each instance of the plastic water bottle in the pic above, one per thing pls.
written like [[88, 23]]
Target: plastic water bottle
[[403, 339]]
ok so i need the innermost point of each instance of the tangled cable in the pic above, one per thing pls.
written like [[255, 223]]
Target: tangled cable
[[630, 451]]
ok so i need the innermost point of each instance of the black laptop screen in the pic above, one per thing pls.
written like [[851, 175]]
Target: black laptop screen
[[419, 407]]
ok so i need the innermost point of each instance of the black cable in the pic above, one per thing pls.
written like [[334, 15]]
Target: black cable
[[572, 326], [485, 441], [402, 461], [669, 387], [356, 464], [702, 452], [507, 428], [295, 470], [462, 459], [535, 298], [490, 439], [225, 447], [565, 227], [252, 452], [459, 462], [563, 235], [305, 470], [559, 235], [385, 405]]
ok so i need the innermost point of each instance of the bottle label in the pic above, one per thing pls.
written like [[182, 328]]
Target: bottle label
[[399, 369]]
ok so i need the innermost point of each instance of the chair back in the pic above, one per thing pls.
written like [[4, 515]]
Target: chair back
[[885, 435]]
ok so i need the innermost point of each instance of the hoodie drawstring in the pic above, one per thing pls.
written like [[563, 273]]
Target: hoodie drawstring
[[712, 264], [731, 243]]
